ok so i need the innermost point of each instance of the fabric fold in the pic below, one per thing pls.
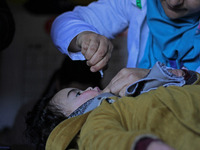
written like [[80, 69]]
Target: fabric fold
[[158, 76]]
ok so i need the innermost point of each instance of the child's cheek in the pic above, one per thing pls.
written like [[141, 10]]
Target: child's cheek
[[88, 95]]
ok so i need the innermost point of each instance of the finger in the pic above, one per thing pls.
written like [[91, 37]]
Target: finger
[[92, 49], [108, 87], [123, 91], [177, 72], [96, 62], [102, 51], [100, 65], [117, 77], [84, 46], [114, 87], [120, 75], [119, 87], [106, 90]]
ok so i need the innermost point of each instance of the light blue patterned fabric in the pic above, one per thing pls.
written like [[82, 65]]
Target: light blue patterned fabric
[[92, 104], [158, 76]]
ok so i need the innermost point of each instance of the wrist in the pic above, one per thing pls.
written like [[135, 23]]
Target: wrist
[[73, 46]]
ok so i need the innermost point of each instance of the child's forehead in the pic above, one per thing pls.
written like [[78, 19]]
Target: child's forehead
[[62, 93]]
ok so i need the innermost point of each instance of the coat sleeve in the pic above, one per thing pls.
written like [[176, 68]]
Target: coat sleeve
[[105, 17], [159, 113], [107, 128]]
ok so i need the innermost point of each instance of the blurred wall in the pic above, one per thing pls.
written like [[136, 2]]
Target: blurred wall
[[27, 65]]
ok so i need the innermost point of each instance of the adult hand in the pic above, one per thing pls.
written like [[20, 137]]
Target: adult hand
[[158, 145], [177, 72], [96, 48], [123, 79]]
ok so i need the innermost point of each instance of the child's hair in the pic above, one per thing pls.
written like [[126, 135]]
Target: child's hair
[[72, 72], [43, 118], [78, 71]]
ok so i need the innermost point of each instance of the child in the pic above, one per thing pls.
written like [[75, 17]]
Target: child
[[68, 103]]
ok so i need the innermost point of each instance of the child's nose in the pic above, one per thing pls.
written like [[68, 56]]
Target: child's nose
[[89, 88], [97, 89]]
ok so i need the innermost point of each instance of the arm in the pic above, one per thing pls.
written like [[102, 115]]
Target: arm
[[105, 128], [104, 17], [112, 127], [99, 17], [129, 119]]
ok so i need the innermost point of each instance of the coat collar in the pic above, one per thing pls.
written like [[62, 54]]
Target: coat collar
[[60, 137]]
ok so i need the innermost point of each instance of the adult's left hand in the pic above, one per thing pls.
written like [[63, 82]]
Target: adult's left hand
[[123, 79]]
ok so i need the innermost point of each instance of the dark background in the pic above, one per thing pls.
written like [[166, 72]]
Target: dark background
[[27, 65]]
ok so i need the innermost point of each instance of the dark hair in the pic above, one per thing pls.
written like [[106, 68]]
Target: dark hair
[[78, 71], [43, 118], [71, 72]]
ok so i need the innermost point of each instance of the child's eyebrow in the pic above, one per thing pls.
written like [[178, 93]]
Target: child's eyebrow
[[72, 90]]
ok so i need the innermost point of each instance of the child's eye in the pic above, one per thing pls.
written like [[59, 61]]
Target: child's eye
[[78, 94]]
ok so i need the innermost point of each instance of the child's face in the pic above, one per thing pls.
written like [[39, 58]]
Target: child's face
[[69, 99], [180, 8]]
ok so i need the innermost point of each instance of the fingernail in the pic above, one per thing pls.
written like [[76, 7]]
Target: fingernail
[[92, 69], [87, 63]]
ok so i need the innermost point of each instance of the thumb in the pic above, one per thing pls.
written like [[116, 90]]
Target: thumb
[[106, 90]]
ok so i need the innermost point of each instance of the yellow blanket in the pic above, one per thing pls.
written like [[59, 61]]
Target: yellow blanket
[[171, 114]]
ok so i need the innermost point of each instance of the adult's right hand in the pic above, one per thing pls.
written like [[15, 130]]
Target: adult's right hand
[[96, 48]]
